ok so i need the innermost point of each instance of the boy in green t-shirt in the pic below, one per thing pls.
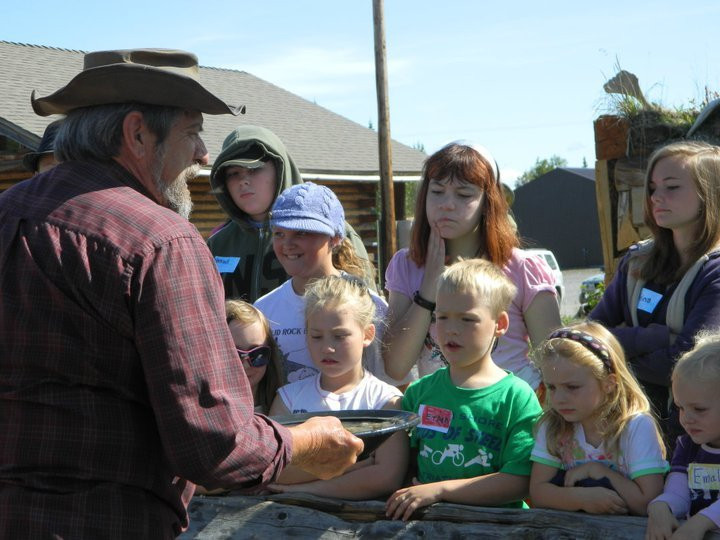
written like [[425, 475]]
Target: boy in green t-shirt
[[474, 439]]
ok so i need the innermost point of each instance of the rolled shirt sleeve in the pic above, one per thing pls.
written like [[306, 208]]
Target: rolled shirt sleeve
[[198, 391]]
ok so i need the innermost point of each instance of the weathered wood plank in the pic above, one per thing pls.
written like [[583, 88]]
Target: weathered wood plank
[[307, 516], [629, 173], [605, 218], [611, 133]]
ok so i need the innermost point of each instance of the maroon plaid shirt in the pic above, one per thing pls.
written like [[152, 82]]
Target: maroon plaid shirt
[[118, 376]]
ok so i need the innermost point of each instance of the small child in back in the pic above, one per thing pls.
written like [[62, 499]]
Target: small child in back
[[692, 487], [597, 447], [339, 314], [257, 351], [474, 439]]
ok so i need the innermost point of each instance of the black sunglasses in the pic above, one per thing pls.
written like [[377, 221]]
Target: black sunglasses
[[256, 357]]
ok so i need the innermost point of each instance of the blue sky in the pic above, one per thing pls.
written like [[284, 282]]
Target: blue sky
[[523, 78]]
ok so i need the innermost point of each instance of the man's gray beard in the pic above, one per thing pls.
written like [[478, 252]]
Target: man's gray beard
[[176, 193]]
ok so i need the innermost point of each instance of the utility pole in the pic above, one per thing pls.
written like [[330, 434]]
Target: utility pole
[[387, 194]]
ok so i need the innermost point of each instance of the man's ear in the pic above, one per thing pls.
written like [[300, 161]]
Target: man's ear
[[136, 137], [369, 335], [502, 324]]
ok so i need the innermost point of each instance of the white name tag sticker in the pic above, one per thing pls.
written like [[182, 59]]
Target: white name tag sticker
[[227, 265], [704, 476], [435, 418], [648, 300]]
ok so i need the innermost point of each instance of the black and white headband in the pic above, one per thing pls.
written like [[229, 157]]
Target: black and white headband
[[591, 343]]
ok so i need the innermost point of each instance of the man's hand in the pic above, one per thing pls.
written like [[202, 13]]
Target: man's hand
[[322, 447]]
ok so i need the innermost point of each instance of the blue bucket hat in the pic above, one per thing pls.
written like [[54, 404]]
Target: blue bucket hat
[[309, 207]]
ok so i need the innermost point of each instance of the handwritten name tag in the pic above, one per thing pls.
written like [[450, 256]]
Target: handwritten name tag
[[648, 300], [704, 476], [435, 418], [227, 265]]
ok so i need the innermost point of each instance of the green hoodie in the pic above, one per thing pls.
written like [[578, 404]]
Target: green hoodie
[[243, 250]]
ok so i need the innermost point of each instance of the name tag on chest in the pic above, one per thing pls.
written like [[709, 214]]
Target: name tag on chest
[[227, 265], [704, 476], [435, 418], [648, 300]]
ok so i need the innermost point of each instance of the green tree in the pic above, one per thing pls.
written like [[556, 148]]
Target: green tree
[[541, 167], [420, 147]]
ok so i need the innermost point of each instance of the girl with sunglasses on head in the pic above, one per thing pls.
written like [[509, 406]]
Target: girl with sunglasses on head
[[259, 356], [461, 213], [257, 351], [597, 445]]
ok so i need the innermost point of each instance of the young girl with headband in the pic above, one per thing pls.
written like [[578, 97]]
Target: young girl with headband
[[597, 446], [461, 213]]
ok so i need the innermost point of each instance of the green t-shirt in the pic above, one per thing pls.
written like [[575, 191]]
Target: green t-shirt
[[465, 432]]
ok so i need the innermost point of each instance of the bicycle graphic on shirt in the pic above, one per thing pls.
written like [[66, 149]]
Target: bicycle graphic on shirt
[[454, 453]]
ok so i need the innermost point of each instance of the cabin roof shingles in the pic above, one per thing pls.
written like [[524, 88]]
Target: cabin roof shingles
[[317, 138]]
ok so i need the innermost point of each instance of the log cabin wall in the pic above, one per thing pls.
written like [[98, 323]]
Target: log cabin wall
[[206, 213], [12, 170], [12, 177], [359, 200]]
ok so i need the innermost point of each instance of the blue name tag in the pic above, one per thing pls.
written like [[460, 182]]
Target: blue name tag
[[648, 300], [227, 265]]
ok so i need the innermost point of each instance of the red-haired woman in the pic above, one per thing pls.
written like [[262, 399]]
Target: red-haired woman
[[461, 212]]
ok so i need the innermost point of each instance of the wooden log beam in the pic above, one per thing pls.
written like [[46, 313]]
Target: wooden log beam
[[605, 217], [307, 516], [387, 229], [611, 136]]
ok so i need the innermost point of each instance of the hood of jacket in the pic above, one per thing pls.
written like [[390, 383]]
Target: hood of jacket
[[242, 142]]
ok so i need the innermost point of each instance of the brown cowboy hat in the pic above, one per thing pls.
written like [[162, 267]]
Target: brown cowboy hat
[[152, 76]]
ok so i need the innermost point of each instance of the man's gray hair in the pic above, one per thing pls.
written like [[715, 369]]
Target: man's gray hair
[[95, 133]]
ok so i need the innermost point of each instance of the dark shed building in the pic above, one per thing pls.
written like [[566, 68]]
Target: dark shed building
[[558, 211]]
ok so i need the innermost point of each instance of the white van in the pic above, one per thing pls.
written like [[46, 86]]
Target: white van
[[550, 259]]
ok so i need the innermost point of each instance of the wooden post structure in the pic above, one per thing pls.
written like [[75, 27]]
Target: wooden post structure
[[387, 197]]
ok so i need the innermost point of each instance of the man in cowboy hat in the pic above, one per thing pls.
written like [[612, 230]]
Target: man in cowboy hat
[[120, 379], [43, 159]]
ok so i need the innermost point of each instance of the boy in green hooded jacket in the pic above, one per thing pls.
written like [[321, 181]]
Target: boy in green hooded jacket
[[252, 169]]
